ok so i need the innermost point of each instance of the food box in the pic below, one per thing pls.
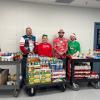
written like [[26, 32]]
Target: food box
[[3, 76]]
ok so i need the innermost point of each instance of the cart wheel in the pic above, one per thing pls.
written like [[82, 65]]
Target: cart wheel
[[31, 91], [89, 84], [63, 87], [15, 93], [75, 87], [96, 85]]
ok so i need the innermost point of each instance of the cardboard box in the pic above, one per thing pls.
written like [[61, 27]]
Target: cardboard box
[[3, 76]]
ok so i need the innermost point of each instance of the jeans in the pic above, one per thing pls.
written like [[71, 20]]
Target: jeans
[[65, 65], [23, 70]]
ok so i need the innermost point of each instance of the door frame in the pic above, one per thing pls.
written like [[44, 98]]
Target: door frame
[[95, 34]]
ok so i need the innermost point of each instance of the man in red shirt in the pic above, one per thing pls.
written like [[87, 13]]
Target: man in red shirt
[[45, 48], [60, 46]]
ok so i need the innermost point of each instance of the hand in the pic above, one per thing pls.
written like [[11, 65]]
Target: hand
[[76, 54], [31, 52], [61, 53]]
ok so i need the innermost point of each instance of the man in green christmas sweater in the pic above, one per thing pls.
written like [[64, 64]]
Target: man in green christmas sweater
[[73, 46]]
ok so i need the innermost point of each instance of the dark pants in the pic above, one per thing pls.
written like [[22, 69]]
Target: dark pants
[[23, 69], [65, 65], [64, 62]]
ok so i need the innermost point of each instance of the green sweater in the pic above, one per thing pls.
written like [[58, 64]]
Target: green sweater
[[73, 47]]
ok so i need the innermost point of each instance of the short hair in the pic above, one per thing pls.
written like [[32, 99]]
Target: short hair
[[28, 28], [44, 35]]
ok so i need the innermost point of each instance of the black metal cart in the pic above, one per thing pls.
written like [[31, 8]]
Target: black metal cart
[[73, 81], [15, 88], [32, 89]]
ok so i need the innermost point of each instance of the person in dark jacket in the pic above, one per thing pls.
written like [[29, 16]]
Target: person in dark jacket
[[27, 45]]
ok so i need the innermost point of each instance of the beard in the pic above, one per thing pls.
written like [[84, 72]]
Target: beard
[[61, 36]]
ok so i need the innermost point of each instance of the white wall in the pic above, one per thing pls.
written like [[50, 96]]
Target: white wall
[[16, 16]]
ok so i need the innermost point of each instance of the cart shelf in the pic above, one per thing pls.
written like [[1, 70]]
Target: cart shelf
[[15, 88], [73, 81], [31, 89]]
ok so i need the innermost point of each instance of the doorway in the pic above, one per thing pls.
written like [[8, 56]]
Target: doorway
[[97, 36], [97, 44]]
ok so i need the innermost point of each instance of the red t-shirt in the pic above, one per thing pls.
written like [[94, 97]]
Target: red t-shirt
[[60, 45], [45, 49]]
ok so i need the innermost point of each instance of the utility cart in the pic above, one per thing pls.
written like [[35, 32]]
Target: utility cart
[[15, 88], [83, 75], [32, 89], [44, 72]]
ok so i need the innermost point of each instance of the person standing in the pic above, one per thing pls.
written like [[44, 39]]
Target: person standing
[[27, 45], [60, 46], [73, 52], [73, 46], [45, 48]]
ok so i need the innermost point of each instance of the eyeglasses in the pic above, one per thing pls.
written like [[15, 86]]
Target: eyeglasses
[[61, 32]]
